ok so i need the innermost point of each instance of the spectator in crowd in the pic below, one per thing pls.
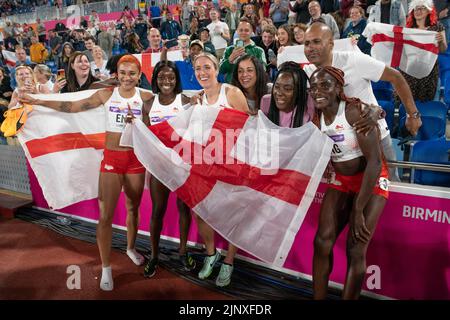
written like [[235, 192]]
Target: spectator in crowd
[[94, 18], [193, 30], [77, 41], [41, 30], [25, 83], [262, 24], [170, 29], [269, 44], [442, 8], [185, 11], [207, 44], [299, 30], [83, 23], [5, 87], [279, 11], [155, 15], [329, 6], [316, 15], [54, 42], [141, 27], [219, 33], [346, 5], [186, 68], [203, 18], [98, 65], [244, 45], [248, 12], [133, 46], [92, 29], [89, 42], [251, 77], [22, 59], [422, 15], [66, 52], [355, 29], [127, 14], [388, 11], [300, 7], [38, 52], [43, 77], [78, 76], [105, 40], [232, 18], [154, 37], [285, 37]]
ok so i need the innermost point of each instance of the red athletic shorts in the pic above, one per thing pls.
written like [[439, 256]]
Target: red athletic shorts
[[352, 184], [121, 162]]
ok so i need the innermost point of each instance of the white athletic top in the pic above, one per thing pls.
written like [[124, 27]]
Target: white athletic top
[[117, 109], [160, 113], [222, 101], [346, 145]]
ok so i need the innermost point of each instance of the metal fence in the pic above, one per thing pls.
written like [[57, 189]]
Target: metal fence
[[13, 169]]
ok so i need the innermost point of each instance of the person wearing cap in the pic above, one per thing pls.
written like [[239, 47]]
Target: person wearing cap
[[207, 44], [186, 67], [422, 15]]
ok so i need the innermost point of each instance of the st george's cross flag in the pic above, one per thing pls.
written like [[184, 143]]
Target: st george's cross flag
[[149, 60], [413, 51], [249, 179], [65, 150]]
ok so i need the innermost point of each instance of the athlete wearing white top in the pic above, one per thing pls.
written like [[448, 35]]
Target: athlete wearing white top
[[117, 109], [359, 69], [222, 101], [346, 145], [160, 113]]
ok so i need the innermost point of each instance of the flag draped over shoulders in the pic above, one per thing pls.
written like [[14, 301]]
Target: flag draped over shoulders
[[251, 180], [413, 51]]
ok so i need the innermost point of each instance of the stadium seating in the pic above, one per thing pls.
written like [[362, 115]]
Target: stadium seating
[[435, 151], [434, 116], [388, 107]]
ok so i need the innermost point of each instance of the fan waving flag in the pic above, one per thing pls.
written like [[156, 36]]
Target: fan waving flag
[[414, 51], [249, 179]]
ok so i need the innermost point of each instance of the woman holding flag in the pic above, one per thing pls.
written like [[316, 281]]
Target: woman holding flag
[[119, 168], [167, 102], [216, 95]]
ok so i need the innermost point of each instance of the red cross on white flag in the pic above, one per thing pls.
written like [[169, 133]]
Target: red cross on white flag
[[251, 180], [414, 51]]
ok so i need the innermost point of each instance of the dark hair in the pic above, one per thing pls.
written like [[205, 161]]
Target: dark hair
[[111, 64], [300, 93], [288, 29], [158, 68], [72, 84], [261, 78]]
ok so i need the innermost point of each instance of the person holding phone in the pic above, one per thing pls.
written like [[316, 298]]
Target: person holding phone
[[244, 45], [98, 65]]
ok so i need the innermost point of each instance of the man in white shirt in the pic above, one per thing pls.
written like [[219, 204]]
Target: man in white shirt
[[219, 32], [359, 70]]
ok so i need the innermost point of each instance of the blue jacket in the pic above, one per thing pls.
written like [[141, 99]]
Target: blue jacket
[[351, 30], [170, 30]]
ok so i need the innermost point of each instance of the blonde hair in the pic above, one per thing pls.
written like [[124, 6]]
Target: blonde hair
[[210, 57], [19, 82], [45, 70]]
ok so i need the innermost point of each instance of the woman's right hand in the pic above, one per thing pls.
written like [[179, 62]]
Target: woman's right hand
[[59, 85]]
